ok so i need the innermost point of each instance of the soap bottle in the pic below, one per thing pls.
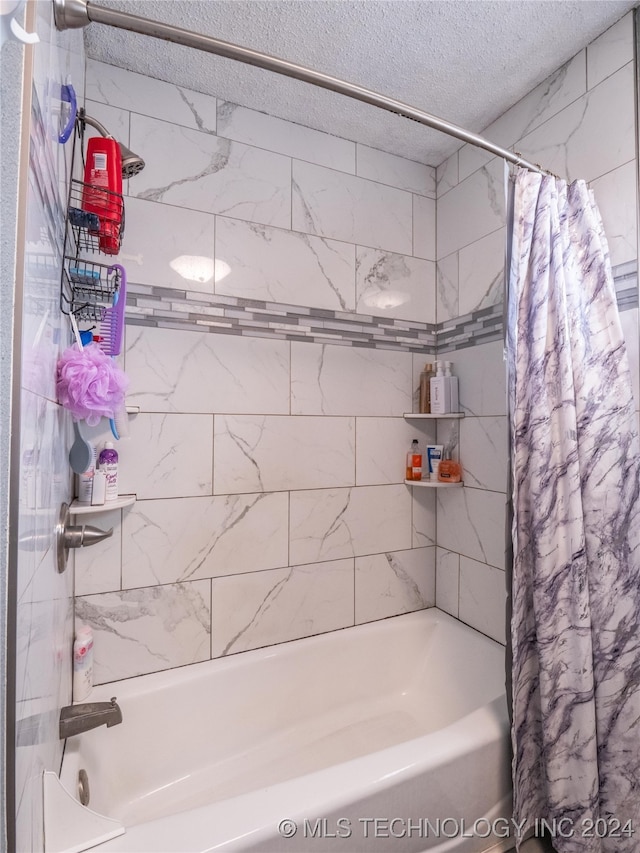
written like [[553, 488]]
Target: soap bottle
[[449, 471], [452, 383], [82, 663], [440, 400], [414, 462], [424, 405], [108, 463]]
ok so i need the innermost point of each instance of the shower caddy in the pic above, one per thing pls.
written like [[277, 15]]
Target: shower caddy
[[88, 287]]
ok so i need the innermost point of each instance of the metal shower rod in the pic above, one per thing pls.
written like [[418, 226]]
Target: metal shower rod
[[71, 14]]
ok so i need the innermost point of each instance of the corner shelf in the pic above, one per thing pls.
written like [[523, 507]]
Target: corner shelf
[[122, 501], [415, 416], [429, 484]]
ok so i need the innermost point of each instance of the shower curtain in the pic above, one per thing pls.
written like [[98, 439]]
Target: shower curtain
[[575, 626]]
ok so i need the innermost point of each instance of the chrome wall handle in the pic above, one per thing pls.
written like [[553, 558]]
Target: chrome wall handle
[[75, 536]]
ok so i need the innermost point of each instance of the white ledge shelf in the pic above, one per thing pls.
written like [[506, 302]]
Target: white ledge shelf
[[415, 416], [120, 502], [432, 484]]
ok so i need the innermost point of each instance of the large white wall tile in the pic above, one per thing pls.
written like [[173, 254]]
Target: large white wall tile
[[471, 158], [328, 524], [391, 285], [284, 266], [424, 228], [484, 452], [447, 288], [610, 51], [591, 136], [344, 207], [211, 173], [155, 236], [481, 373], [264, 608], [330, 380], [472, 522], [482, 598], [193, 538], [148, 96], [481, 271], [167, 456], [447, 581], [97, 569], [256, 453], [396, 171], [616, 194], [285, 137], [423, 516], [560, 89], [472, 209], [381, 448], [393, 583], [145, 630], [447, 174], [181, 371]]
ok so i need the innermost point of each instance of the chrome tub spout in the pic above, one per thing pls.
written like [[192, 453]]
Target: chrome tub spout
[[75, 719]]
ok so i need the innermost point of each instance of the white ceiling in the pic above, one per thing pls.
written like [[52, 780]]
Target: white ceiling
[[465, 61]]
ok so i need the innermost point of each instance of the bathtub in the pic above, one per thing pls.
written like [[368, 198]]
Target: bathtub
[[392, 735]]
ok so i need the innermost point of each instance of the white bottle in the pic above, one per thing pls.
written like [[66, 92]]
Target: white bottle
[[452, 381], [85, 480], [82, 663], [440, 399]]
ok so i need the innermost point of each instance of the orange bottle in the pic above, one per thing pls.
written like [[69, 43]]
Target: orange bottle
[[449, 471], [414, 462]]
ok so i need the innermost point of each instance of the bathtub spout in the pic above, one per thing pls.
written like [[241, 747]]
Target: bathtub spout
[[75, 719]]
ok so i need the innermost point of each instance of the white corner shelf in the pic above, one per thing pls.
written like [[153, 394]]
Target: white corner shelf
[[120, 502], [432, 484], [415, 416]]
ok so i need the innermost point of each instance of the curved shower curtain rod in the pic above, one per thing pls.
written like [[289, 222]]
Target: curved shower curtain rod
[[72, 14]]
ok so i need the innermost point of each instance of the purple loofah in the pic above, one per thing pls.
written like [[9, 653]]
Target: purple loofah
[[90, 384]]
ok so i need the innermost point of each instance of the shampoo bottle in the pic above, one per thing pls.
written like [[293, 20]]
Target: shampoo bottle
[[108, 463], [440, 400], [82, 663], [424, 406], [452, 383], [414, 462]]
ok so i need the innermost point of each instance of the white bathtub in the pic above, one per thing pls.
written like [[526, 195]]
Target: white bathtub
[[359, 736]]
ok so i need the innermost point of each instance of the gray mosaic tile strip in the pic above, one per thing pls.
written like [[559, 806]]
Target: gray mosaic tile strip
[[170, 308]]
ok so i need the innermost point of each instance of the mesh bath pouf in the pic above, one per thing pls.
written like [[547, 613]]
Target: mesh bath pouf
[[89, 383]]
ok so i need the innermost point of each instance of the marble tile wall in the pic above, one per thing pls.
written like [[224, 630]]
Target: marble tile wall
[[44, 606], [578, 123], [267, 461]]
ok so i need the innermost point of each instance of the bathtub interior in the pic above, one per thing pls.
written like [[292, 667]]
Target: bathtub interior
[[228, 727]]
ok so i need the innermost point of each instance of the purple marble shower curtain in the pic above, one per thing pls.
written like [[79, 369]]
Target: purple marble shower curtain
[[575, 624]]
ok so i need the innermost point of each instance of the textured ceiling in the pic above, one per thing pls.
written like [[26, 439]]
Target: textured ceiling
[[466, 62]]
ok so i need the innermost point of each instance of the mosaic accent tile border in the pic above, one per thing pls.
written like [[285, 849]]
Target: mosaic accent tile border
[[169, 308]]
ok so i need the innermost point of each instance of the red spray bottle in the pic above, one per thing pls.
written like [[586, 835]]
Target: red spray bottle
[[102, 193]]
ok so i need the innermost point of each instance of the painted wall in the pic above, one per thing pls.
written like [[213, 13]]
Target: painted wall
[[579, 123], [268, 455], [44, 598]]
